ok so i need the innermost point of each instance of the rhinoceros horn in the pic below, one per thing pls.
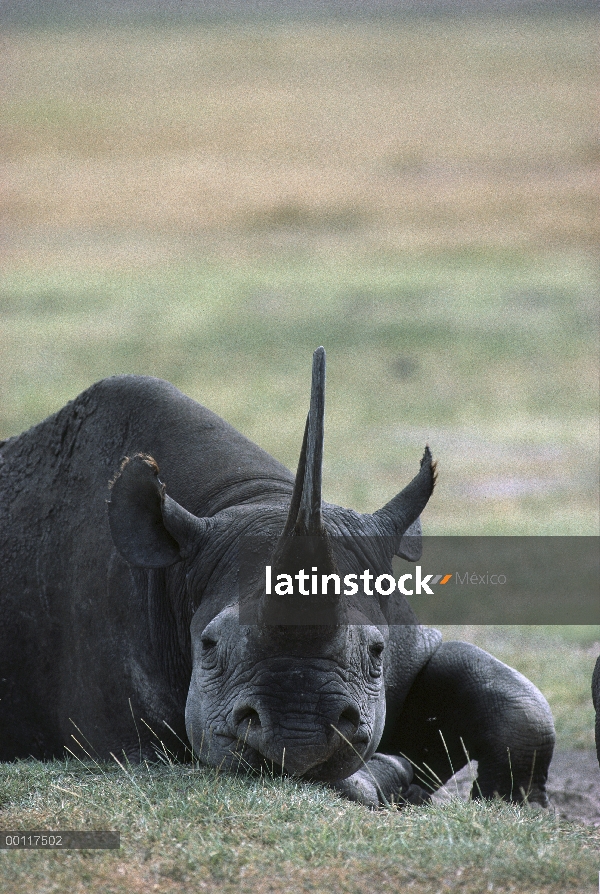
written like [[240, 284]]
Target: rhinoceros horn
[[304, 517], [304, 542]]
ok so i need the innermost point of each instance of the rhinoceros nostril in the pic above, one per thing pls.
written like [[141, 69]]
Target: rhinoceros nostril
[[246, 717], [348, 721]]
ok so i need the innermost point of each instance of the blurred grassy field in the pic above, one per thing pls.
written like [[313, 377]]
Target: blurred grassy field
[[210, 204]]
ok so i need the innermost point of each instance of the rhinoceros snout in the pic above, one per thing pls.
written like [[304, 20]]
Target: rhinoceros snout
[[298, 740]]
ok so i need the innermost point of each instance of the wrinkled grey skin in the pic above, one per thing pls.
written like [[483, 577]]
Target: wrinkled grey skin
[[101, 630]]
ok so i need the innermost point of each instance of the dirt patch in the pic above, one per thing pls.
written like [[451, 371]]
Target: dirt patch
[[573, 786]]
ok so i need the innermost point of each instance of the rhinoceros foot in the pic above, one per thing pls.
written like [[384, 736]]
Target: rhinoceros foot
[[383, 781]]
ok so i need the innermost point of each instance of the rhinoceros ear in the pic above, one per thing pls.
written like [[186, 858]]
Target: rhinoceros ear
[[411, 544], [401, 516], [149, 529]]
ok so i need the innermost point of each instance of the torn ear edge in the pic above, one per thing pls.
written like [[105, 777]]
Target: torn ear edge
[[401, 516], [428, 459], [148, 528]]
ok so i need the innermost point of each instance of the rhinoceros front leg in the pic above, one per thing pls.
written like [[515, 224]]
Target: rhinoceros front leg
[[384, 780], [465, 702]]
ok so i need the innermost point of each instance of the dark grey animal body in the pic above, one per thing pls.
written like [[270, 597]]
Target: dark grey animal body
[[103, 625]]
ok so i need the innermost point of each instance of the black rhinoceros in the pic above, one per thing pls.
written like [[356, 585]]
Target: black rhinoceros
[[112, 618]]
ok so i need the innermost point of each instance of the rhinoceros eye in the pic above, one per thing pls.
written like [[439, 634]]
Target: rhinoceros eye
[[209, 654], [208, 643], [376, 650], [375, 653]]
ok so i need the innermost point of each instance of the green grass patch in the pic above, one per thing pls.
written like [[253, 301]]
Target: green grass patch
[[181, 825]]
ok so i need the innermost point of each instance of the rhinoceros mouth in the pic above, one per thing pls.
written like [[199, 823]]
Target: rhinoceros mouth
[[344, 761], [228, 753]]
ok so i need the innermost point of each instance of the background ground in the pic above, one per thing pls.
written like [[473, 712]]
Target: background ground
[[210, 203]]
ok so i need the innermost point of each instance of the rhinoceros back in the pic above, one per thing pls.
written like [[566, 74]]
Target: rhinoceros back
[[64, 630]]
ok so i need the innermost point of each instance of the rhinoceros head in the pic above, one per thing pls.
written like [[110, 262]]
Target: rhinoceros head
[[299, 681]]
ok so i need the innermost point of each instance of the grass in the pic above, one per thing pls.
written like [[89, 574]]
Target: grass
[[188, 829]]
